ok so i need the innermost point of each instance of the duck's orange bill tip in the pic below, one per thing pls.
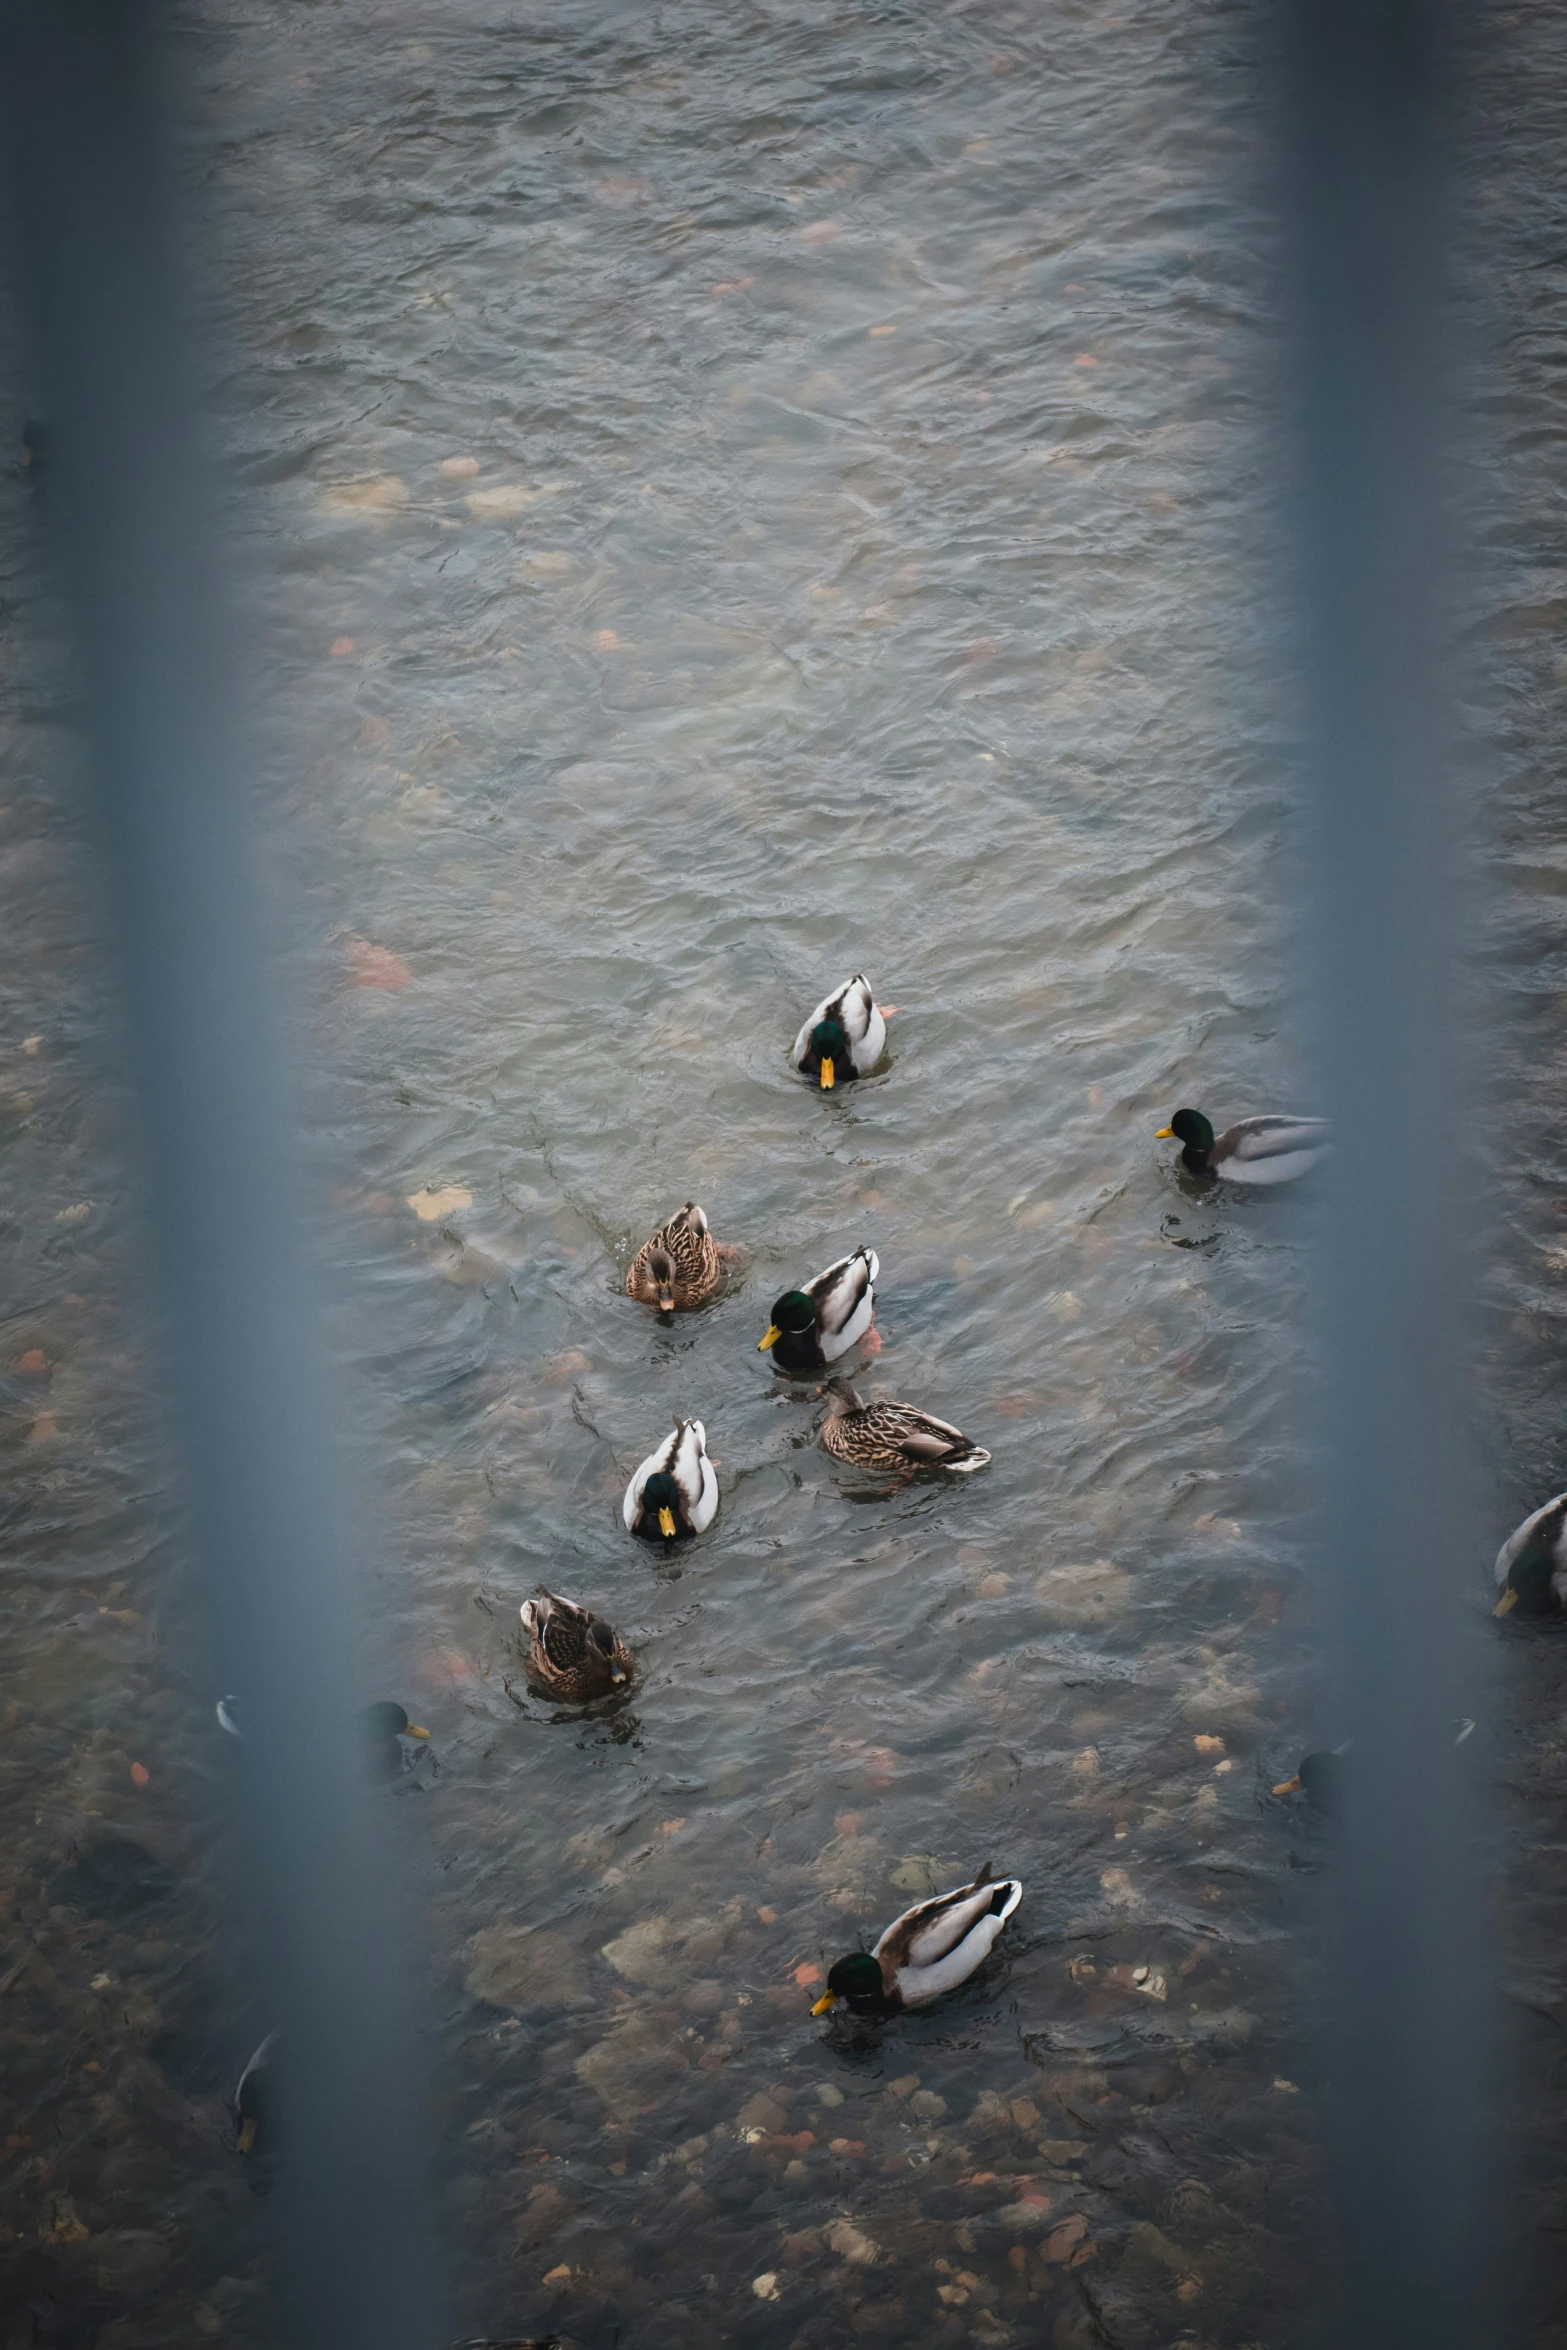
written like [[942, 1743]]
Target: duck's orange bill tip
[[772, 1338], [827, 2000], [1288, 1786], [828, 1079], [1506, 1604], [247, 2136], [414, 1731], [1165, 1134], [666, 1523]]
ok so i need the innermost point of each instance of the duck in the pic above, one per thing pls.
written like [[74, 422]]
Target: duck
[[573, 1654], [1531, 1566], [844, 1037], [1327, 1778], [1253, 1150], [894, 1435], [932, 1948], [811, 1327], [384, 1720], [1321, 1778], [254, 2098], [680, 1267], [674, 1494]]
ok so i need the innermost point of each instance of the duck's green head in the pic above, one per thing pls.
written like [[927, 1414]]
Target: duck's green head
[[831, 1046], [791, 1317], [661, 1504], [856, 1978], [1190, 1127]]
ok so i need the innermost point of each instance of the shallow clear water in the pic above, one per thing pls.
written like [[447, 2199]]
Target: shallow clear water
[[727, 497]]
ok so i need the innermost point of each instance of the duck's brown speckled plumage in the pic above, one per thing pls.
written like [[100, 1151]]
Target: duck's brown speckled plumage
[[679, 1267], [572, 1653], [894, 1436]]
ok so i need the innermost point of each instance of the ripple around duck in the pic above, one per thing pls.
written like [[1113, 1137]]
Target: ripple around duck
[[761, 643]]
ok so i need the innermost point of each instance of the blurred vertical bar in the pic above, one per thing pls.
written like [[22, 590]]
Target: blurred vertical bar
[[95, 216], [1366, 98]]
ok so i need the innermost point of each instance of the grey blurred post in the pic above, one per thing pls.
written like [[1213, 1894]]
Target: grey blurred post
[[94, 214], [1365, 86]]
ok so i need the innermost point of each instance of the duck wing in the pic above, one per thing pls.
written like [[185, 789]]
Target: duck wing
[[561, 1628], [693, 1473], [844, 1298], [1269, 1150], [862, 1022], [939, 1943], [920, 1436]]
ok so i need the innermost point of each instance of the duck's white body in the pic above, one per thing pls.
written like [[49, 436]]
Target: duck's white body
[[1548, 1525], [948, 1937], [854, 1008], [682, 1456], [845, 1300], [1269, 1150]]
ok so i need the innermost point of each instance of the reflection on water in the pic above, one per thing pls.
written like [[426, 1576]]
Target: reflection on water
[[729, 500]]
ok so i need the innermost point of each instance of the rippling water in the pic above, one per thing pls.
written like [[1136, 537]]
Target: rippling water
[[730, 496]]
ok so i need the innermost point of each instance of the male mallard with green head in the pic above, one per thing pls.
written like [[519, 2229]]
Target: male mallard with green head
[[932, 1948], [572, 1654], [1253, 1150], [896, 1436], [811, 1327], [1531, 1566], [680, 1267], [844, 1037], [674, 1494]]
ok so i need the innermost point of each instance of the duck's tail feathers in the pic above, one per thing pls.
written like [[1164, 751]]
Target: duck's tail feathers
[[964, 1464]]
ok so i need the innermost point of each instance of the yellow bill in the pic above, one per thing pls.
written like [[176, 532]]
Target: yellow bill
[[1165, 1134], [1288, 1786], [247, 2136], [1507, 1602], [827, 2000], [828, 1079], [666, 1523], [772, 1338], [413, 1731]]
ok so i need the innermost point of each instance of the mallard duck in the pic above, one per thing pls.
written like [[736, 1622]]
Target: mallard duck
[[1321, 1778], [1531, 1566], [675, 1493], [378, 1722], [894, 1435], [573, 1653], [844, 1037], [932, 1948], [813, 1326], [1327, 1778], [1253, 1150], [679, 1267], [254, 2098]]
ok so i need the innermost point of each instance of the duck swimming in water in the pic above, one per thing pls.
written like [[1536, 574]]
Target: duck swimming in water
[[896, 1436], [844, 1037], [674, 1494], [811, 1327], [573, 1654], [932, 1948], [1253, 1150], [1531, 1566], [680, 1267]]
